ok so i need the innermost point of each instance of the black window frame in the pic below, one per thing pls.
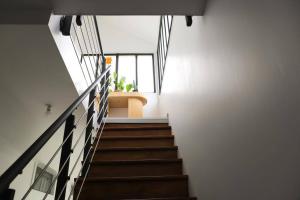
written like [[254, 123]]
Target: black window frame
[[135, 55]]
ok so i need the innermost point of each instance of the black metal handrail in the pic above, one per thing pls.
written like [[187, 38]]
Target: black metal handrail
[[99, 85], [17, 167]]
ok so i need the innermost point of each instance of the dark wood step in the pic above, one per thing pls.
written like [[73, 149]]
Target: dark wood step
[[121, 168], [136, 141], [132, 153], [172, 198], [136, 131], [134, 187], [130, 125]]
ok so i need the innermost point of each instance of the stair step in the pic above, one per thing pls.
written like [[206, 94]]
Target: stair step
[[140, 187], [121, 168], [136, 141], [136, 153], [136, 131], [172, 198], [130, 125]]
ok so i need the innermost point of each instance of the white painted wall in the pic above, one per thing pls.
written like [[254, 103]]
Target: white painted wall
[[231, 88], [32, 74]]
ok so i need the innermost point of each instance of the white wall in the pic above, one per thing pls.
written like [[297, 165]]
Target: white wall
[[32, 74], [231, 88]]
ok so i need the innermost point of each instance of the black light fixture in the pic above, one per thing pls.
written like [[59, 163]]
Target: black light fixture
[[78, 20], [189, 20], [65, 25]]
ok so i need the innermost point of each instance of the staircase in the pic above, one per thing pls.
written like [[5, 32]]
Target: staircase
[[135, 161]]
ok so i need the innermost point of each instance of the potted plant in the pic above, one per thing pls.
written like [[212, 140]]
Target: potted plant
[[120, 85]]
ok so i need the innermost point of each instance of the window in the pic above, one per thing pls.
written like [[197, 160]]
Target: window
[[45, 180], [137, 68], [127, 68], [145, 73]]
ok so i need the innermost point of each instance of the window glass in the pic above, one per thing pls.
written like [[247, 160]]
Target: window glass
[[127, 69], [44, 182], [145, 73]]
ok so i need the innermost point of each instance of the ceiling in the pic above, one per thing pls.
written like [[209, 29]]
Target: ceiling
[[38, 11], [129, 34]]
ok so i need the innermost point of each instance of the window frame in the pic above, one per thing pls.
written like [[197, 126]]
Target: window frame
[[135, 55]]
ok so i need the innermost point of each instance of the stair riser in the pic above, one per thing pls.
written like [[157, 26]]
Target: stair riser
[[135, 155], [136, 132], [136, 143], [119, 170], [134, 189], [134, 125]]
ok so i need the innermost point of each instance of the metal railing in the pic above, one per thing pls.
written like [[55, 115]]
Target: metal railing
[[165, 28], [97, 93]]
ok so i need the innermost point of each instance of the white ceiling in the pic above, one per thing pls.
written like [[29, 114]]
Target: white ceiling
[[38, 11], [129, 34]]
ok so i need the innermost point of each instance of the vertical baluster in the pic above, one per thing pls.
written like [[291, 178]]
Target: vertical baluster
[[102, 93], [65, 152], [8, 194], [106, 94], [89, 129]]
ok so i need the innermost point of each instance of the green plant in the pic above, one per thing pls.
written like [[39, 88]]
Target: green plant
[[129, 87], [115, 76], [120, 85]]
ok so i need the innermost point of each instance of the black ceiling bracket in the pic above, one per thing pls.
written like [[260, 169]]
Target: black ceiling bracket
[[78, 20], [189, 20], [65, 25]]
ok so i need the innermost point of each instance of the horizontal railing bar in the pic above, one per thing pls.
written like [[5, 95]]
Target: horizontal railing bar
[[89, 105], [53, 156], [55, 178], [81, 134], [87, 157], [75, 31], [17, 167], [47, 165], [79, 170], [79, 59], [100, 112], [98, 36]]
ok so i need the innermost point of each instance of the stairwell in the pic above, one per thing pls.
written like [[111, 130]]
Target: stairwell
[[135, 161]]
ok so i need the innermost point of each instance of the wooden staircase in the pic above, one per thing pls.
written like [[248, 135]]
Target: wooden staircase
[[135, 161]]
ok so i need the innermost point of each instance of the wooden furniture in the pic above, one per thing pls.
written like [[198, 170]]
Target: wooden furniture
[[134, 101]]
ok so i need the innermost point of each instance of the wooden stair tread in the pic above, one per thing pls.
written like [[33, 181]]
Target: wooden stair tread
[[136, 128], [135, 178], [136, 148], [136, 137], [135, 162], [172, 198], [130, 162]]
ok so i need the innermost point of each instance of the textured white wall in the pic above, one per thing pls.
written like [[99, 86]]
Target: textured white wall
[[32, 74], [231, 88]]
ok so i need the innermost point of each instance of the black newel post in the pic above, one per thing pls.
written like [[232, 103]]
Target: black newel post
[[8, 194], [89, 128], [102, 91], [65, 152]]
